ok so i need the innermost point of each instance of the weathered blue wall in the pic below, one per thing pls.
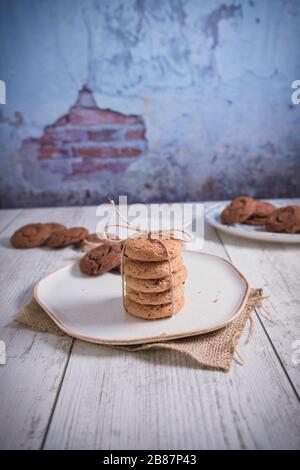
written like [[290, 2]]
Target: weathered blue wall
[[211, 79]]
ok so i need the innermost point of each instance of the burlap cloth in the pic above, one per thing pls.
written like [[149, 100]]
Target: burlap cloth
[[214, 350]]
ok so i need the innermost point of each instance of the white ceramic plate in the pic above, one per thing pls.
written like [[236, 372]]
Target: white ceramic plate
[[212, 216], [90, 308]]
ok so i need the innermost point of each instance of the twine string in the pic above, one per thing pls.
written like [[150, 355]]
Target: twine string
[[267, 314], [258, 301], [152, 234]]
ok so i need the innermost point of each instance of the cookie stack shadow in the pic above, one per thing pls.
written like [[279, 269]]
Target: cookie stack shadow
[[148, 283]]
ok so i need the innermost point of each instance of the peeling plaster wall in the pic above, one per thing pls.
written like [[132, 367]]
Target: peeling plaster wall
[[211, 79]]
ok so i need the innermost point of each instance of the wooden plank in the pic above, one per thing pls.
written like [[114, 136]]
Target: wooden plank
[[112, 399], [36, 362], [7, 216], [276, 268]]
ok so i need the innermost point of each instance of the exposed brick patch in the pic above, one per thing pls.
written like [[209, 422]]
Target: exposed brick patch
[[86, 140], [52, 150], [93, 116], [106, 151], [48, 151], [103, 135], [91, 166], [85, 98], [63, 134], [136, 134], [62, 121]]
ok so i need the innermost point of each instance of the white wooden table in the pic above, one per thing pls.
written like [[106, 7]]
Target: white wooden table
[[61, 393]]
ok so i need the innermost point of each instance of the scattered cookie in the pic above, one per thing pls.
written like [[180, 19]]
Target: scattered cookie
[[156, 298], [157, 285], [68, 236], [239, 209], [285, 220], [31, 235], [101, 259], [152, 312], [141, 249], [149, 269], [261, 213], [54, 227]]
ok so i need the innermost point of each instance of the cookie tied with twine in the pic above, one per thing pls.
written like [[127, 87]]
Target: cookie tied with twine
[[178, 234]]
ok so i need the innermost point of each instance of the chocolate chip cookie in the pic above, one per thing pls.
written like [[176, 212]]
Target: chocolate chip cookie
[[101, 259], [285, 220], [149, 269], [239, 210], [32, 235], [155, 298], [55, 227], [141, 249], [261, 213], [152, 312], [68, 236], [156, 285]]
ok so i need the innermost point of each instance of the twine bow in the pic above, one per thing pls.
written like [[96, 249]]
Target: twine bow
[[158, 235]]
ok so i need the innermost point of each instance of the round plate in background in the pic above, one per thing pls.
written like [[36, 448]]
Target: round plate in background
[[254, 232]]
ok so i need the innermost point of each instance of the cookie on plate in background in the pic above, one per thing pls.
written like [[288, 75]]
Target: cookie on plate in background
[[238, 210], [284, 220], [260, 215], [33, 235]]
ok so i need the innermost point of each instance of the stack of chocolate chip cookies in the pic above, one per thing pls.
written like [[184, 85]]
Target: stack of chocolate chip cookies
[[148, 283]]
